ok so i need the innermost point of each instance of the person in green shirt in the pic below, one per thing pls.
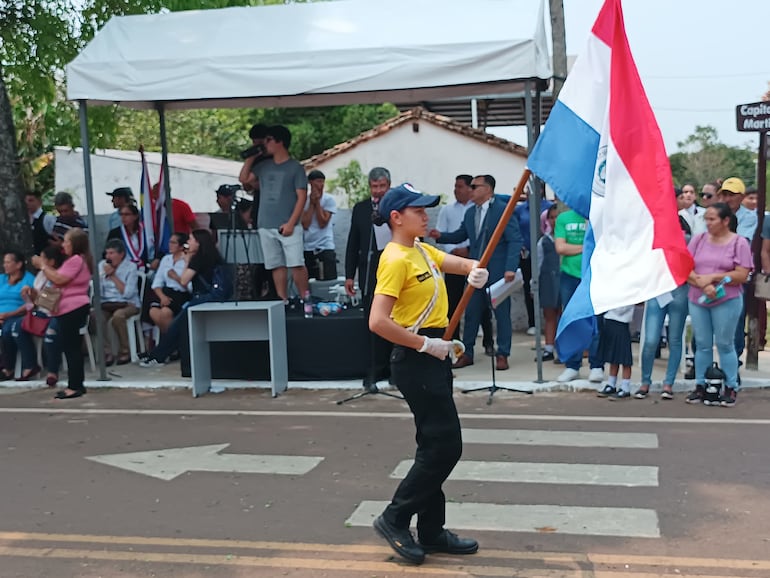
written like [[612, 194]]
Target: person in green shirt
[[569, 232]]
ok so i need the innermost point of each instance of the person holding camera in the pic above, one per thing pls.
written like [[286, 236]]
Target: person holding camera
[[282, 195], [120, 297], [320, 258]]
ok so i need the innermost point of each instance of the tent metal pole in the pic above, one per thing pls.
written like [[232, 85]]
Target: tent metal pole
[[97, 300], [164, 165], [534, 220], [474, 113]]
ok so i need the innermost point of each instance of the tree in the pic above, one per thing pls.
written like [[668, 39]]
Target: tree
[[702, 159], [353, 182]]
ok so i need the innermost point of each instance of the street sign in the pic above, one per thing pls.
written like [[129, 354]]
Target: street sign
[[170, 463], [753, 117]]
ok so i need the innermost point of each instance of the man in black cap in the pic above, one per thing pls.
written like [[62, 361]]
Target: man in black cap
[[121, 197], [320, 257]]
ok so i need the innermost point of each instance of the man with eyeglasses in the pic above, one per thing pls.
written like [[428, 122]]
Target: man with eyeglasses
[[121, 197], [708, 195], [477, 227]]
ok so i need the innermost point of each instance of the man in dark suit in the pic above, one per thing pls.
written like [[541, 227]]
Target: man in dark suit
[[362, 255], [477, 227]]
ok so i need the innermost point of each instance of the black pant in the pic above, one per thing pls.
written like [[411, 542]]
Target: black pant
[[525, 264], [379, 365], [426, 384], [321, 265], [72, 346], [455, 285]]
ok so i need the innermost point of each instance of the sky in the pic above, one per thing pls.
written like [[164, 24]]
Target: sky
[[697, 59]]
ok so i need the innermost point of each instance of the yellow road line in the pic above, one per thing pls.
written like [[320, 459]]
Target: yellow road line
[[552, 558]]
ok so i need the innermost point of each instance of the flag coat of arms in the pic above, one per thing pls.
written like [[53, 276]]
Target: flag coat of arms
[[602, 152]]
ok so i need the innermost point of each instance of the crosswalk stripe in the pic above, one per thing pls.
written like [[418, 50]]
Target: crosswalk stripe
[[547, 473], [594, 521], [578, 439]]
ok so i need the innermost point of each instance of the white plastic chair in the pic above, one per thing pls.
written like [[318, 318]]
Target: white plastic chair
[[134, 323]]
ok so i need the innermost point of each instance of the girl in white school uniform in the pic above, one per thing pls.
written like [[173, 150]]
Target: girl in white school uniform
[[615, 349]]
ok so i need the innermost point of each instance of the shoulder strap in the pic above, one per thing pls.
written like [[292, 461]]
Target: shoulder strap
[[433, 268]]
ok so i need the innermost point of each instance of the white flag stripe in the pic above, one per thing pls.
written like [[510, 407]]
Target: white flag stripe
[[600, 521], [547, 473], [577, 439]]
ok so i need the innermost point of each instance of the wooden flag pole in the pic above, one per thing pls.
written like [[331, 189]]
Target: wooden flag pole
[[487, 255]]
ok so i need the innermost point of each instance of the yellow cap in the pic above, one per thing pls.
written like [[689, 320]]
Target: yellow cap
[[733, 185]]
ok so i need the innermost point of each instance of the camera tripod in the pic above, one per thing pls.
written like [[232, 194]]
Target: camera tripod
[[492, 389]]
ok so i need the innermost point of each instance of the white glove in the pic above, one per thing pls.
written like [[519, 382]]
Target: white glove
[[436, 347], [478, 277]]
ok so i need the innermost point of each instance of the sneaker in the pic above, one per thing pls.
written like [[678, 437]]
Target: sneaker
[[729, 397], [621, 394], [607, 391], [568, 375], [641, 393], [151, 362], [596, 375], [531, 331], [695, 396], [667, 393]]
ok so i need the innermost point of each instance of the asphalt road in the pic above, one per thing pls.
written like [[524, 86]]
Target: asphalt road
[[552, 485]]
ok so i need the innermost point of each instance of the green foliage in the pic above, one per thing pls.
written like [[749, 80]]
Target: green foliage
[[353, 182], [703, 159]]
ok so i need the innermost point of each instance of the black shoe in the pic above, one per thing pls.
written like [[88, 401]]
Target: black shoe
[[695, 396], [546, 356], [450, 543], [401, 541], [489, 350]]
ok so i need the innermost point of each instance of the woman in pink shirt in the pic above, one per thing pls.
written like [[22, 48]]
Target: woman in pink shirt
[[73, 278], [722, 265]]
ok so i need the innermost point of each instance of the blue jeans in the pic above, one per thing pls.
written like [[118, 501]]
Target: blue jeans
[[15, 339], [740, 329], [567, 287], [653, 324], [52, 346], [473, 316], [716, 324]]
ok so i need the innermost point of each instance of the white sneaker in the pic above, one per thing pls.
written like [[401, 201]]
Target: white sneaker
[[596, 375], [531, 331], [568, 375], [151, 362]]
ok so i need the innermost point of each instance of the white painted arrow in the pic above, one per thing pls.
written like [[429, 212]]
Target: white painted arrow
[[173, 462]]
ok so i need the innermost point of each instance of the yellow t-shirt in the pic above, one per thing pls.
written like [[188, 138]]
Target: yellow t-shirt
[[404, 274]]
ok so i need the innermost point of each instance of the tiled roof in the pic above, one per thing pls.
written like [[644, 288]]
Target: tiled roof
[[412, 115]]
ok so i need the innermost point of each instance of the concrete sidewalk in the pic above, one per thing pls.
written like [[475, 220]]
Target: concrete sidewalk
[[522, 374]]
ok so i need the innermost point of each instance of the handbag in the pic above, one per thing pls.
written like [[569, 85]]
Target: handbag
[[762, 287], [48, 298], [35, 323]]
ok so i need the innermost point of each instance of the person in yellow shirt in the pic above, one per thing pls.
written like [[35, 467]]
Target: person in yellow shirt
[[409, 309]]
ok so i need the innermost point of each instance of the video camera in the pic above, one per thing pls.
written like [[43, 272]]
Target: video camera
[[256, 150], [228, 190]]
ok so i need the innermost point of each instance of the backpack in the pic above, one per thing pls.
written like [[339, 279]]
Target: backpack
[[715, 378], [221, 286]]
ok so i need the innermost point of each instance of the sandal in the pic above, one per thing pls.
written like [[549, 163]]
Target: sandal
[[109, 360], [642, 392], [64, 395], [52, 380], [29, 374], [123, 360]]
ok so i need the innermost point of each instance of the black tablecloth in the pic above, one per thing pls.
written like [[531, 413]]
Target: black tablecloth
[[321, 348]]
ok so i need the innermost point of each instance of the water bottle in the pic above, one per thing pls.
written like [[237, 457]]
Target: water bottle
[[720, 291], [307, 305]]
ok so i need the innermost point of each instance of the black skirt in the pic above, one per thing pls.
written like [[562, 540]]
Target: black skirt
[[615, 343]]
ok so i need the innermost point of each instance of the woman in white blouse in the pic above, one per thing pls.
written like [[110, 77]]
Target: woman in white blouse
[[170, 294]]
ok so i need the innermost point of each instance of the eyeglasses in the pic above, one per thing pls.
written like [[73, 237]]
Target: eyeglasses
[[474, 186], [705, 195]]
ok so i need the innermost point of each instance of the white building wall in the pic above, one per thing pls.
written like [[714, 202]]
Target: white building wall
[[430, 159], [193, 179]]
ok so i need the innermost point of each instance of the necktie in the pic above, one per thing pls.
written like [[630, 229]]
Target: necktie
[[477, 220]]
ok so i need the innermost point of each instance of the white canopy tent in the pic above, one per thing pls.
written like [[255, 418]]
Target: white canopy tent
[[312, 54]]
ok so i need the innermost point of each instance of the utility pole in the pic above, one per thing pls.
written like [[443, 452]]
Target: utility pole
[[559, 47]]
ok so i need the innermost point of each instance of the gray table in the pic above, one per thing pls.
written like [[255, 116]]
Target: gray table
[[243, 321]]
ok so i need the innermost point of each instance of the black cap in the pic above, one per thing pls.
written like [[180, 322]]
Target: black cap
[[122, 192]]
